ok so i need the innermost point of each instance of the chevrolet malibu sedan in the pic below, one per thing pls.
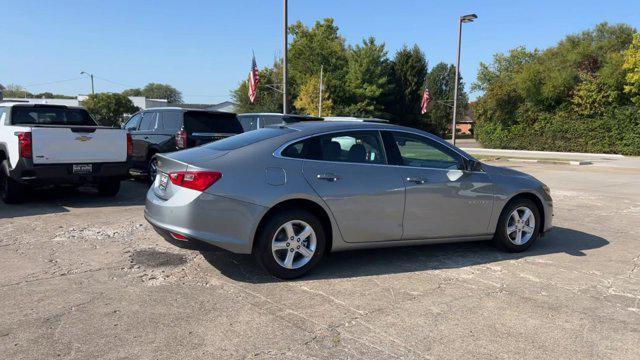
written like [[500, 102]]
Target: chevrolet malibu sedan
[[293, 193]]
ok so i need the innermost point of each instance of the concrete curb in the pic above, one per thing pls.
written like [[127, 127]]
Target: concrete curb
[[558, 162], [541, 155]]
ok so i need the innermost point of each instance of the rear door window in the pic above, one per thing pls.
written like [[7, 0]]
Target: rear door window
[[268, 120], [363, 147], [248, 122], [172, 120], [211, 122], [148, 122], [50, 115]]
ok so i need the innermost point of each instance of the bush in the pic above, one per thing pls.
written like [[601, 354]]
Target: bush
[[617, 131]]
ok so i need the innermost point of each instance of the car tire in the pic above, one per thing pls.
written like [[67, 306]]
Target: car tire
[[11, 191], [279, 249], [518, 233], [109, 188], [152, 169]]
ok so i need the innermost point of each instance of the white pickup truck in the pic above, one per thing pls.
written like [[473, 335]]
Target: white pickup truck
[[43, 145]]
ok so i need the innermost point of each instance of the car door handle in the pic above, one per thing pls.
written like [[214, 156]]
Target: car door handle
[[328, 177], [416, 180]]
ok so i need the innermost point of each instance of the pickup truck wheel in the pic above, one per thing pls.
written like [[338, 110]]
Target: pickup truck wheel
[[109, 188], [11, 192]]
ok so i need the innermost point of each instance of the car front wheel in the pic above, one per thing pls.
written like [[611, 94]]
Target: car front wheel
[[291, 244], [518, 226]]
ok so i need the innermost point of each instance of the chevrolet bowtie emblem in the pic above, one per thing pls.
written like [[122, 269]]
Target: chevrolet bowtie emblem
[[83, 138]]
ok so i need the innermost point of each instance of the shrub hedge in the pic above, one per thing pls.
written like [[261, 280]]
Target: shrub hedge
[[615, 132]]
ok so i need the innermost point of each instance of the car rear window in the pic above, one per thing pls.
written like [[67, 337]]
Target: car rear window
[[49, 115], [248, 138], [209, 122]]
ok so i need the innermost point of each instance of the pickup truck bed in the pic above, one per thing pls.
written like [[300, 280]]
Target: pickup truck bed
[[44, 145]]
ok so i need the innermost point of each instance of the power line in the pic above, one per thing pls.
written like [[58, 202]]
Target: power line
[[53, 82]]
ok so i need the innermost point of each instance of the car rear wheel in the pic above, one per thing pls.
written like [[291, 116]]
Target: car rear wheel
[[518, 226], [11, 192], [291, 244], [109, 188]]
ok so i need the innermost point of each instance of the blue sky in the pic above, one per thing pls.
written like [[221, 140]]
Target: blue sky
[[204, 48]]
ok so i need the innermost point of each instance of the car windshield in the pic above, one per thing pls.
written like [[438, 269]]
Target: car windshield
[[248, 138], [49, 115]]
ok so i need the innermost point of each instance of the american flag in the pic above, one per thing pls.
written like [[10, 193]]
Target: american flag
[[425, 101], [254, 80]]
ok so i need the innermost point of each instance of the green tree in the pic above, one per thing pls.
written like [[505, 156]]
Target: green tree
[[321, 45], [16, 91], [107, 108], [368, 79], [440, 82], [632, 68], [268, 98], [132, 92], [162, 91], [408, 71]]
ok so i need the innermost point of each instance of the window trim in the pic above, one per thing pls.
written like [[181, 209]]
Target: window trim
[[278, 152]]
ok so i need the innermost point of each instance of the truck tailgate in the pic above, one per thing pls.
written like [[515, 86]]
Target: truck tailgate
[[65, 145]]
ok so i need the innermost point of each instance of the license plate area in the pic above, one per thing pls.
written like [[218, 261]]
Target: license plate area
[[164, 180], [82, 168]]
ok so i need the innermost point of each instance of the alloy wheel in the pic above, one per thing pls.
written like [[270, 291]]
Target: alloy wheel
[[521, 225], [294, 244]]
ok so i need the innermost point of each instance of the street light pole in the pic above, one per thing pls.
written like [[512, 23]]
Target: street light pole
[[90, 75], [320, 91], [463, 19], [285, 30]]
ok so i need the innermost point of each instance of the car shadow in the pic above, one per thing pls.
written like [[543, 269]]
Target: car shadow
[[60, 200], [386, 261]]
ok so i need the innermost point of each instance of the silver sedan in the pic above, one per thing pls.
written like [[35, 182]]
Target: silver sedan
[[291, 194]]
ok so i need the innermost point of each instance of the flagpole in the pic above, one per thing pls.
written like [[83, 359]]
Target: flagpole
[[284, 59]]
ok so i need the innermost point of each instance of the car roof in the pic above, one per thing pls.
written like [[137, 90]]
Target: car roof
[[28, 104], [173, 108], [322, 126]]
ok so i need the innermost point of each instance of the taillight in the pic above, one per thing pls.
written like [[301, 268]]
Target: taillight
[[129, 145], [181, 139], [195, 180], [24, 144]]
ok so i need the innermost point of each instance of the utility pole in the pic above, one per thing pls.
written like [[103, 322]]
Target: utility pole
[[463, 19], [320, 91], [90, 75], [285, 31]]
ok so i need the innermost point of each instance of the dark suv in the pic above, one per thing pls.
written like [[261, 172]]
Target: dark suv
[[162, 130]]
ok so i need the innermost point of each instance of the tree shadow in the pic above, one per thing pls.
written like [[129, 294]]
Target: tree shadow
[[386, 261], [59, 200]]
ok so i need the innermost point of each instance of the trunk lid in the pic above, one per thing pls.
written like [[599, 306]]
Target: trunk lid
[[78, 144], [180, 161]]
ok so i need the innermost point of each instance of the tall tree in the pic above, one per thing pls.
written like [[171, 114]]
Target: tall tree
[[107, 108], [409, 70], [632, 68], [133, 92], [311, 48], [162, 91], [368, 80], [440, 82]]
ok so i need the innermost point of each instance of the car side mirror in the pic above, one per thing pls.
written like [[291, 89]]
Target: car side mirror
[[474, 165]]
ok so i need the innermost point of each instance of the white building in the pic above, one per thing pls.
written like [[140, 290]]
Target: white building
[[139, 101]]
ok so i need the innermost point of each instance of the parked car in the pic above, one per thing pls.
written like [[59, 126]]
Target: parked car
[[161, 130], [254, 121], [291, 194], [42, 145]]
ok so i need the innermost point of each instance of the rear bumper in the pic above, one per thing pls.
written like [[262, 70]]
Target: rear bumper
[[217, 220], [62, 174]]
